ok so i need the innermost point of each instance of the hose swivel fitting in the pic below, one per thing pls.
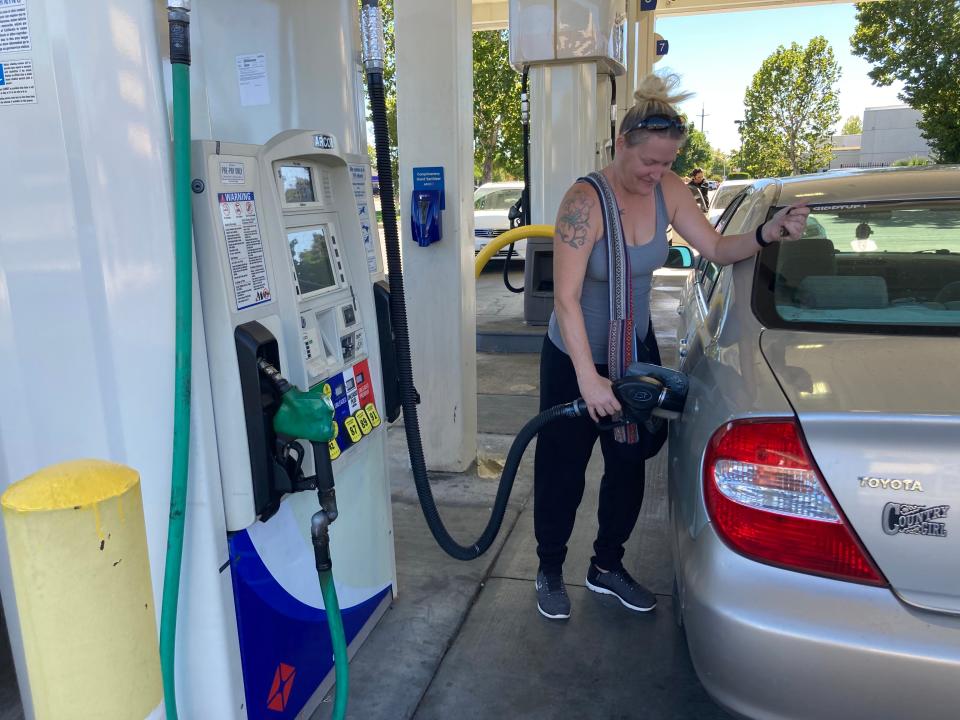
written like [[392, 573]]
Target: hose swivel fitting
[[371, 35], [320, 534]]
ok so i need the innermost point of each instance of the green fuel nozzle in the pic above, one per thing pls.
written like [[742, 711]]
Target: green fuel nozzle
[[309, 416]]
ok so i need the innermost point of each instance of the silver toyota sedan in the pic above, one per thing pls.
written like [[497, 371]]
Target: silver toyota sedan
[[814, 477]]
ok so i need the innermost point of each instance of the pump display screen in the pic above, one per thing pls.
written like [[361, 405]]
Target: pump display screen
[[297, 184], [311, 259]]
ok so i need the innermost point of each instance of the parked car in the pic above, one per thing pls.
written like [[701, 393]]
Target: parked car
[[491, 207], [814, 477], [725, 192]]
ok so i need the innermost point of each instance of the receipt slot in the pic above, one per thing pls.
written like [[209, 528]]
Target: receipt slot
[[284, 277]]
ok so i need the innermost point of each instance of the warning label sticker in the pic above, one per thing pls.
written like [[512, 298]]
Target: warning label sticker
[[14, 29], [358, 177], [248, 265], [17, 86]]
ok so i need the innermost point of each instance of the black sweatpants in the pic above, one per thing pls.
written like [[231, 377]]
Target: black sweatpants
[[563, 451]]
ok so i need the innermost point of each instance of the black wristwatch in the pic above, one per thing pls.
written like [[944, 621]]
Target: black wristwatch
[[760, 241]]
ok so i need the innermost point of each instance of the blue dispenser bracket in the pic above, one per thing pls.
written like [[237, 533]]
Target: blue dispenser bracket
[[426, 204]]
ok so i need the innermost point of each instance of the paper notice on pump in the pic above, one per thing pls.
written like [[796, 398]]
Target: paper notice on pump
[[248, 265], [358, 177], [252, 79], [14, 28], [17, 85]]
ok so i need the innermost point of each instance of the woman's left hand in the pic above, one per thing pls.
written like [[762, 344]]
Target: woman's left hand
[[788, 224]]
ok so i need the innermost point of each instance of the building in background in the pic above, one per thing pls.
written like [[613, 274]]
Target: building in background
[[889, 134]]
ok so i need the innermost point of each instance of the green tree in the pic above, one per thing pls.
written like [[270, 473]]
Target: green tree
[[918, 43], [696, 152], [497, 133], [790, 107], [498, 147], [853, 125], [720, 164]]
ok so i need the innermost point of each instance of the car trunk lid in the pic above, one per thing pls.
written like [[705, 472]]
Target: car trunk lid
[[881, 416]]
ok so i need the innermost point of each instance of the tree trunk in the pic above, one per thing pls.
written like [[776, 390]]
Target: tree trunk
[[489, 152]]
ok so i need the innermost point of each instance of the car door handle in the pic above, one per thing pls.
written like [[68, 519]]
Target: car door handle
[[683, 348]]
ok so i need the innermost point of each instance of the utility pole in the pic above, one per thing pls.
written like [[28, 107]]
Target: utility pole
[[702, 116]]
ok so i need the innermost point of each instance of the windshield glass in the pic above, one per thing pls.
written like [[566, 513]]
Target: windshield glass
[[501, 199], [867, 266]]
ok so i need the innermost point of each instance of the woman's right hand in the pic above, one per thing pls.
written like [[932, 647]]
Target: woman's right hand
[[597, 392]]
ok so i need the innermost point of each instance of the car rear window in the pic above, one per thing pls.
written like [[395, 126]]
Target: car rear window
[[497, 200], [875, 267], [724, 195]]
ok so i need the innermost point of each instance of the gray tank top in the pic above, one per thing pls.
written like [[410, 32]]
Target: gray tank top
[[595, 297]]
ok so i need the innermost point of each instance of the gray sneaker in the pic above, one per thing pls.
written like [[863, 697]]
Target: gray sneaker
[[618, 583], [552, 599]]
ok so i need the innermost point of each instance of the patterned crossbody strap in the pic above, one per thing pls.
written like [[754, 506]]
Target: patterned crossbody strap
[[621, 339]]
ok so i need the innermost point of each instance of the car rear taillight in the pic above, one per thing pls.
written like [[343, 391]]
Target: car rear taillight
[[768, 501]]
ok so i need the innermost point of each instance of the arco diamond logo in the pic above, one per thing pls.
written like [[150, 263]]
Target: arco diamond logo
[[282, 684]]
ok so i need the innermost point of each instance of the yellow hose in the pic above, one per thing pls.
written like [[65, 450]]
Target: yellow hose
[[510, 236]]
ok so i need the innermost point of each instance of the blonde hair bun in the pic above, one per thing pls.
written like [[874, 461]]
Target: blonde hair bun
[[660, 90]]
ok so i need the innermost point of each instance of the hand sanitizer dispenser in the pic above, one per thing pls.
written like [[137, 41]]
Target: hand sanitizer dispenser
[[426, 204]]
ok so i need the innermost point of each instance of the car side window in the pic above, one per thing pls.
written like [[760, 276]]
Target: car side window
[[707, 273], [729, 211]]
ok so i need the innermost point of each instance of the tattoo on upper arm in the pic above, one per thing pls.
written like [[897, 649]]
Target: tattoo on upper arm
[[573, 221]]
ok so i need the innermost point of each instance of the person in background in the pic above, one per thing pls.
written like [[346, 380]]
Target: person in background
[[699, 183], [610, 236]]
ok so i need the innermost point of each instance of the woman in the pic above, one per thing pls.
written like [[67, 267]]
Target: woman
[[601, 323]]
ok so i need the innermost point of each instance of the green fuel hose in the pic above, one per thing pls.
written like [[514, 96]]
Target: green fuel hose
[[183, 224], [339, 642]]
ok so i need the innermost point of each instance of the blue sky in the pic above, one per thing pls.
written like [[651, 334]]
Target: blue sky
[[716, 56]]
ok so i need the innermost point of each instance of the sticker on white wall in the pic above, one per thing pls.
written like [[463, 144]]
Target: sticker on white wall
[[232, 173], [358, 177], [17, 86], [252, 79], [14, 28]]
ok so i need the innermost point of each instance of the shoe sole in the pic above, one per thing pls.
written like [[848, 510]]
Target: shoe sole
[[548, 615], [604, 591]]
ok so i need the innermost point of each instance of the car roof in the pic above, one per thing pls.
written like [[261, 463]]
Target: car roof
[[870, 184], [733, 183], [511, 185]]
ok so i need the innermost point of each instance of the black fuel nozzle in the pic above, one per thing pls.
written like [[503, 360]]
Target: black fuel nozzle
[[278, 381], [651, 390]]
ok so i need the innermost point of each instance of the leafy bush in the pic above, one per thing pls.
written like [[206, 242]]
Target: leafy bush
[[912, 162]]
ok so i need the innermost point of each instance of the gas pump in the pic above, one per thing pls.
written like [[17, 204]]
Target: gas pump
[[287, 301]]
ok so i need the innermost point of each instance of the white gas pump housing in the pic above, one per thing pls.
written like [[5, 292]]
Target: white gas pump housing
[[570, 48], [283, 274], [566, 31]]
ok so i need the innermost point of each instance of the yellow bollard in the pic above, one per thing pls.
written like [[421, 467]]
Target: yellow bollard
[[78, 552]]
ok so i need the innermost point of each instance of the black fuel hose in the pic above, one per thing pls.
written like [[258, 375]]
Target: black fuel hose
[[398, 317], [525, 194]]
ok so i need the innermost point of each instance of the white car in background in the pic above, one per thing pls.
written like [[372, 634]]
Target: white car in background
[[722, 196], [491, 207]]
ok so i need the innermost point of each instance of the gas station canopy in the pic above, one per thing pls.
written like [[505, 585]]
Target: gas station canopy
[[493, 14]]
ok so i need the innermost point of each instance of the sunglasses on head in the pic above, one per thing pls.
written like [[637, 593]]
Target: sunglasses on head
[[659, 122]]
